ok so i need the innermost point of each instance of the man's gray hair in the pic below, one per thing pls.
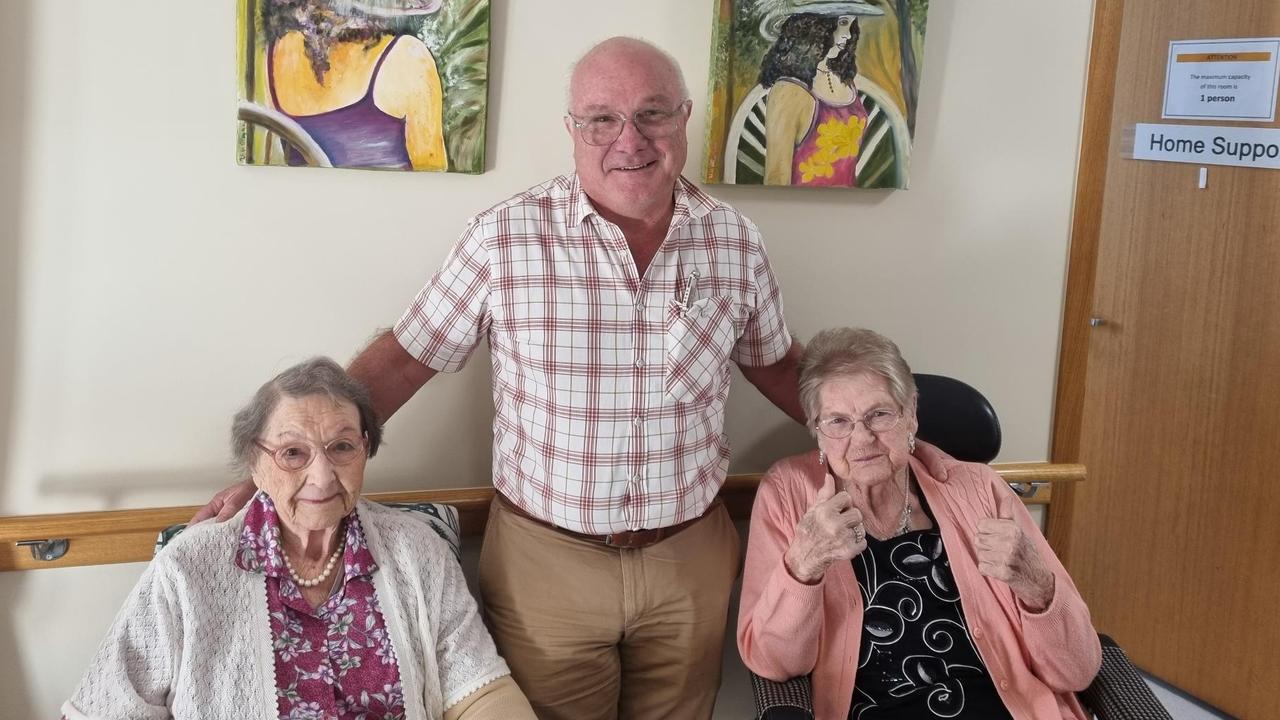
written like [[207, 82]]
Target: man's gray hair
[[633, 42], [843, 352], [317, 376]]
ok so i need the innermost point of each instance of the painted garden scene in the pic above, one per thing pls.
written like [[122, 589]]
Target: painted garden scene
[[814, 93], [376, 84]]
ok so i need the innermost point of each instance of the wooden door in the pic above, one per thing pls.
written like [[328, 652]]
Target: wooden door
[[1173, 403]]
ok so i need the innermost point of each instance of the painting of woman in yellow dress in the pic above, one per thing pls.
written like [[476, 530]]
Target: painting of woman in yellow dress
[[814, 93], [358, 83]]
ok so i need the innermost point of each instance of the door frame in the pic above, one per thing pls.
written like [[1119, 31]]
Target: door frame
[[1082, 256]]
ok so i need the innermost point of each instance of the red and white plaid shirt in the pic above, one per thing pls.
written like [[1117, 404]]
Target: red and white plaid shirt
[[609, 391]]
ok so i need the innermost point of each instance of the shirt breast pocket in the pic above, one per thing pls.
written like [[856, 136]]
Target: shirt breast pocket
[[699, 340]]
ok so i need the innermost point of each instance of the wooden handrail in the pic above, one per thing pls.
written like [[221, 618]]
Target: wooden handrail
[[117, 536]]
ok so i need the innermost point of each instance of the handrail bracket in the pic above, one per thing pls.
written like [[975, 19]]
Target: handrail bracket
[[46, 550]]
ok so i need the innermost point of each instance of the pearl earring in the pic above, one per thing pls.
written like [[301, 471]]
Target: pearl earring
[[822, 457], [911, 442]]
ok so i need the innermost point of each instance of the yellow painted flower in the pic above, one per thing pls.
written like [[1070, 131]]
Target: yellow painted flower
[[841, 139], [836, 141], [818, 165]]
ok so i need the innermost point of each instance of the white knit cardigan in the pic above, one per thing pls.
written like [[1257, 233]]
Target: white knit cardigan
[[194, 641]]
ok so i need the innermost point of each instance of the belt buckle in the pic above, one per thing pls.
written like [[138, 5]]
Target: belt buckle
[[632, 539]]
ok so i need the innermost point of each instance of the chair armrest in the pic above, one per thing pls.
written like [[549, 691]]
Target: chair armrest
[[790, 700], [1119, 692]]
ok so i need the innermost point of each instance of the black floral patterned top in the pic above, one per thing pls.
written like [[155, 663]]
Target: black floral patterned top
[[917, 659]]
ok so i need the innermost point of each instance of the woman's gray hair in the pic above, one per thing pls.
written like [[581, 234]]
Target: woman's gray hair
[[317, 376], [844, 352]]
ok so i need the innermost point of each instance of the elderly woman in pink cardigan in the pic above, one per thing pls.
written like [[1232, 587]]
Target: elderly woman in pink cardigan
[[910, 584]]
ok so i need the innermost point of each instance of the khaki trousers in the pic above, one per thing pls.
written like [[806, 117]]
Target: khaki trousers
[[593, 632]]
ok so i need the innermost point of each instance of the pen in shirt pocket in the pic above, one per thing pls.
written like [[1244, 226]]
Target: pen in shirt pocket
[[690, 290]]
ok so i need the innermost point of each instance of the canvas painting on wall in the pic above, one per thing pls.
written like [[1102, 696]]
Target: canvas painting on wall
[[377, 84], [814, 93]]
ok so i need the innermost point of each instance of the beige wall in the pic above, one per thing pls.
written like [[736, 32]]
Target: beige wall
[[149, 283]]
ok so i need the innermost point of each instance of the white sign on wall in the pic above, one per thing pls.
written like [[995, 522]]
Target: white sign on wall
[[1208, 145], [1222, 80]]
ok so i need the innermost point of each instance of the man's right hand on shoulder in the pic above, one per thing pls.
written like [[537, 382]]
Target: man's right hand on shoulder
[[226, 503]]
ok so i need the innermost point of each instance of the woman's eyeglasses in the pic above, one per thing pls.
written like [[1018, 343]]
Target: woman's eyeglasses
[[296, 456], [839, 427]]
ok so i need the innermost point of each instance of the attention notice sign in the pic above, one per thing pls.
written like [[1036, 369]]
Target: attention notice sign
[[1222, 80]]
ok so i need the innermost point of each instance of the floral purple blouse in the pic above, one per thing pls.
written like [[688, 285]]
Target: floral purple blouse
[[334, 662]]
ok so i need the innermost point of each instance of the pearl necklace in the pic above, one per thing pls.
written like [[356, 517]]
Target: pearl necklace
[[328, 567]]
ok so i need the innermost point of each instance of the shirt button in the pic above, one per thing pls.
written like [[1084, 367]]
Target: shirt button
[[977, 633], [640, 306], [636, 478], [639, 362], [635, 422], [1004, 684]]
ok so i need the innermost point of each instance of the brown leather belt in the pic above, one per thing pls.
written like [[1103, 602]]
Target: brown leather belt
[[630, 539]]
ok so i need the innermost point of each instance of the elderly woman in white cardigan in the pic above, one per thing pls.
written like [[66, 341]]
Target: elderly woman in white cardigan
[[313, 603]]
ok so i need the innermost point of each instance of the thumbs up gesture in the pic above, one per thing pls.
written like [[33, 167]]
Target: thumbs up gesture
[[831, 530], [1008, 555]]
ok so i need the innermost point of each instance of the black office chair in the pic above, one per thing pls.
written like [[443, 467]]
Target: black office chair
[[958, 419]]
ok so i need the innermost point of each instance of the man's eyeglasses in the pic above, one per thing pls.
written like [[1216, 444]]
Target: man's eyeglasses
[[296, 456], [604, 128], [839, 427]]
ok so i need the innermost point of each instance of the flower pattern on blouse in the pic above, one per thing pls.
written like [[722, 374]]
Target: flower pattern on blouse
[[837, 140], [916, 658], [927, 560], [334, 662]]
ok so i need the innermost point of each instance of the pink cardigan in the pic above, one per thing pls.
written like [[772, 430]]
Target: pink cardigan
[[785, 628]]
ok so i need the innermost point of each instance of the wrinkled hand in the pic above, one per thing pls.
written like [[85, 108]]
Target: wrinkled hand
[[826, 534], [1008, 555], [226, 503]]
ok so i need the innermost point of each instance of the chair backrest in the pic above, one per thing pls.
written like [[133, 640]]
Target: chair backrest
[[442, 518], [287, 128], [957, 418], [744, 148]]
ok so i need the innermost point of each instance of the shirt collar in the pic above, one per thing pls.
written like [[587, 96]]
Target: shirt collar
[[580, 207], [692, 199], [690, 202], [259, 549]]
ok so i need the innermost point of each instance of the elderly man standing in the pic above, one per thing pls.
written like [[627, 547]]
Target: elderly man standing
[[613, 299]]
